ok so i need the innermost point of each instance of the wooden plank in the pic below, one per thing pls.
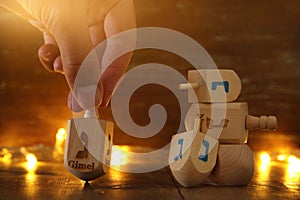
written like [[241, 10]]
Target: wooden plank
[[52, 181]]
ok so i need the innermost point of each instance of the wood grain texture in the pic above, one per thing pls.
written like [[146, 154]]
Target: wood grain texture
[[262, 122], [222, 121], [88, 147], [235, 166], [192, 157]]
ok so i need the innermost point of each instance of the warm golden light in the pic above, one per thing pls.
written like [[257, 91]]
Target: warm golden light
[[30, 181], [288, 164], [292, 174], [118, 157], [6, 156], [61, 135], [30, 158], [265, 160], [59, 143], [31, 161], [294, 165], [281, 157], [293, 159]]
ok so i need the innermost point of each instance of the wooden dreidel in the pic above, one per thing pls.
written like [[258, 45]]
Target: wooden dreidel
[[88, 146], [212, 86], [235, 166], [192, 157], [227, 122]]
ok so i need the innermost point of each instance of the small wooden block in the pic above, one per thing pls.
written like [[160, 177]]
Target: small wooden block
[[192, 157], [227, 122], [212, 86], [87, 151], [235, 166]]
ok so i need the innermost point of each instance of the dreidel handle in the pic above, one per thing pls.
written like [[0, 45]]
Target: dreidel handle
[[92, 113], [186, 86], [262, 122]]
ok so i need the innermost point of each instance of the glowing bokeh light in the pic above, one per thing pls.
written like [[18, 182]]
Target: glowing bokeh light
[[294, 165], [119, 157], [292, 173], [31, 161], [61, 135], [293, 159], [30, 158], [265, 160], [281, 157], [6, 156], [59, 143]]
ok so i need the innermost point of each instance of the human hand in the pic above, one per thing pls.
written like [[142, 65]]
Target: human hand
[[71, 30]]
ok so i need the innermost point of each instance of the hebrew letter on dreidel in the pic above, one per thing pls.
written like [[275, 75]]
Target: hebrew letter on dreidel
[[199, 155], [210, 123], [212, 86], [86, 149], [179, 156], [204, 157], [234, 126], [225, 84], [84, 153]]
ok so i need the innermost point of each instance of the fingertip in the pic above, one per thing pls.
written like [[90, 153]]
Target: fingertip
[[47, 55], [90, 96], [57, 65]]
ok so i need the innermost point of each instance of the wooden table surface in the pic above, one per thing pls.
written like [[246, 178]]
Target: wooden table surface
[[50, 180]]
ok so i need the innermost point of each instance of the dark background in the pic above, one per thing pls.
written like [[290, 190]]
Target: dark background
[[258, 39]]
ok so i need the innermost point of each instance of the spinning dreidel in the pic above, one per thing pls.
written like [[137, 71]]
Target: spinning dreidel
[[192, 156], [88, 146]]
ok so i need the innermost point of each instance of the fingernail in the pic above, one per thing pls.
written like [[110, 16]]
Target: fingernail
[[57, 65], [89, 96], [58, 69], [46, 56]]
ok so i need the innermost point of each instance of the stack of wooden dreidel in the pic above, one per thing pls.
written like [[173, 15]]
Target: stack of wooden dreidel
[[214, 149]]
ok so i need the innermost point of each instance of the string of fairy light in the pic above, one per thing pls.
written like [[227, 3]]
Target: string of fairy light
[[120, 158]]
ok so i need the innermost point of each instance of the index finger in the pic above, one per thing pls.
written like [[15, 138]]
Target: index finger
[[74, 42]]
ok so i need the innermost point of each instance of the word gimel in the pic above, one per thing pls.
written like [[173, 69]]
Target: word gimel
[[77, 165]]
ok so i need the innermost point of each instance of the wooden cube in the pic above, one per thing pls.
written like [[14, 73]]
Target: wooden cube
[[227, 122], [212, 86], [88, 147], [192, 157]]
